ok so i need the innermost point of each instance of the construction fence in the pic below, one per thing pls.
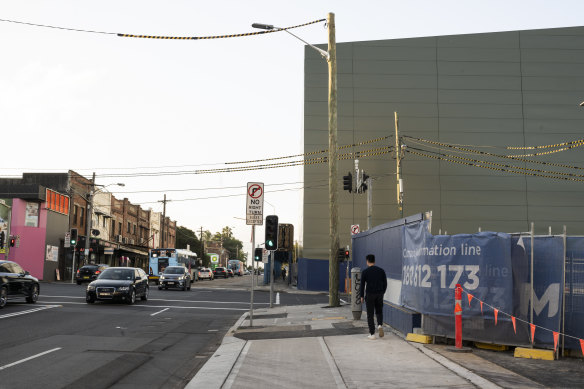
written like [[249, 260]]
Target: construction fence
[[519, 289]]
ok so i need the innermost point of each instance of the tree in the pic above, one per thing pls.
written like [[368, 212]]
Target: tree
[[184, 237]]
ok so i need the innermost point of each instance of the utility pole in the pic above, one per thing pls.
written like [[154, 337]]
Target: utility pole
[[89, 218], [332, 162], [163, 228], [398, 168]]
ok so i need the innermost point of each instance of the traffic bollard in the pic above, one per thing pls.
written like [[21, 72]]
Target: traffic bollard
[[458, 322], [356, 306]]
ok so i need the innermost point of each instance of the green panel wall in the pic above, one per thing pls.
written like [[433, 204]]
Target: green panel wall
[[498, 89]]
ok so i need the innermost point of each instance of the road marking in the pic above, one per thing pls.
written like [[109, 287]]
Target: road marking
[[42, 308], [169, 300], [156, 313], [163, 306], [277, 298], [212, 330], [343, 301], [29, 358]]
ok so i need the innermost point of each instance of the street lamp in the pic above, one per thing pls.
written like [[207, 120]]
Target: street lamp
[[331, 57], [89, 222]]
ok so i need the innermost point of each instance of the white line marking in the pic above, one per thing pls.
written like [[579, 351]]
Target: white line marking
[[164, 306], [277, 298], [29, 358], [212, 330], [169, 300], [343, 301], [42, 308], [156, 313]]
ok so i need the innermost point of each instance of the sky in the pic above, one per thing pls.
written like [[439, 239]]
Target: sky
[[94, 102]]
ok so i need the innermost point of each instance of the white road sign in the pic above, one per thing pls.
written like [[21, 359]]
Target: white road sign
[[265, 256], [254, 203], [355, 229], [67, 240]]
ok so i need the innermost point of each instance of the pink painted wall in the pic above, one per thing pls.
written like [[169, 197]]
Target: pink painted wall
[[31, 253]]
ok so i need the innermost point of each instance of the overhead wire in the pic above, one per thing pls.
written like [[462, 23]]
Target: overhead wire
[[499, 155]]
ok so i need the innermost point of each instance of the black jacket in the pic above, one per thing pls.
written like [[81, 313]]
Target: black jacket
[[375, 279]]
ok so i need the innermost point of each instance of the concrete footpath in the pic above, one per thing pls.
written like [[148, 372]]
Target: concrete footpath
[[311, 346]]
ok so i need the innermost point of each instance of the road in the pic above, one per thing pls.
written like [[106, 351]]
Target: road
[[63, 342]]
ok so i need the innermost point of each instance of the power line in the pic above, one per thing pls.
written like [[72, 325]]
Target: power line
[[160, 36]]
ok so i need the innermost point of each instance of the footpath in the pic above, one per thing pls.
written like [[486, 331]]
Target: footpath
[[311, 346]]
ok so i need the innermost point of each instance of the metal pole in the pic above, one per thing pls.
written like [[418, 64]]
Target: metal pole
[[73, 267], [332, 163], [397, 166], [163, 222], [251, 304], [532, 292], [89, 218], [565, 238], [369, 202], [271, 279]]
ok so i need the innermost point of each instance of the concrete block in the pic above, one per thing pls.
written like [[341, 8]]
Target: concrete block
[[419, 338], [532, 353], [490, 346]]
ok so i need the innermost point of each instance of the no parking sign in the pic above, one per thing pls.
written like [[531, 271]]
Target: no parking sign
[[355, 229]]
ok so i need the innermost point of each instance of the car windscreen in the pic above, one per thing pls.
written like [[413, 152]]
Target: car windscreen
[[174, 270], [117, 274], [220, 268]]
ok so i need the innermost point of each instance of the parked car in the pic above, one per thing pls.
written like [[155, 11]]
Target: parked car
[[119, 284], [89, 273], [220, 272], [175, 277], [246, 273], [230, 273], [205, 274], [15, 282]]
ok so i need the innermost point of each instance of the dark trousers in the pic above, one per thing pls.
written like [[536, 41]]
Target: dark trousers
[[374, 304]]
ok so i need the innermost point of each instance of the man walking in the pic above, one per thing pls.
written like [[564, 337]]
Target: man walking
[[374, 283]]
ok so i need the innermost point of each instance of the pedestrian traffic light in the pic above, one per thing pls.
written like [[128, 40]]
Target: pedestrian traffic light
[[258, 254], [12, 241], [347, 255], [348, 182], [73, 236], [271, 232]]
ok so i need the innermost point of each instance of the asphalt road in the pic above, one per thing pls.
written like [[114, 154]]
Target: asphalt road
[[63, 342]]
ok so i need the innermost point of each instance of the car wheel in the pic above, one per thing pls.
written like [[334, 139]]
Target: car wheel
[[3, 298], [159, 287], [132, 297], [89, 299], [33, 295], [145, 296]]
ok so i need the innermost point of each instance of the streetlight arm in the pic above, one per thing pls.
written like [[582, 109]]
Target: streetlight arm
[[262, 26]]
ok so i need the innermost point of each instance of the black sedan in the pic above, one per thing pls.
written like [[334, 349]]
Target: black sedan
[[118, 284], [89, 273], [15, 282], [220, 272], [175, 277]]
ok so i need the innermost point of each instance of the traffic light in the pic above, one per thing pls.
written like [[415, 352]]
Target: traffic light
[[258, 254], [2, 238], [343, 254], [364, 184], [73, 236], [271, 232], [348, 182], [12, 241], [347, 255]]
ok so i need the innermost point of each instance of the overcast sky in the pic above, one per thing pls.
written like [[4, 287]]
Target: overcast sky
[[101, 103]]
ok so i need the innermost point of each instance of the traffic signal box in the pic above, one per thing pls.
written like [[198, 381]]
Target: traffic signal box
[[271, 232], [348, 182], [73, 236], [343, 255], [258, 254]]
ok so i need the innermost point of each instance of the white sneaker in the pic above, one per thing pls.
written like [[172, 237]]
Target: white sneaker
[[371, 337], [381, 333]]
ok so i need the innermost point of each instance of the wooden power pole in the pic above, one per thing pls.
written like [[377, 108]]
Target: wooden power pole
[[332, 163]]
